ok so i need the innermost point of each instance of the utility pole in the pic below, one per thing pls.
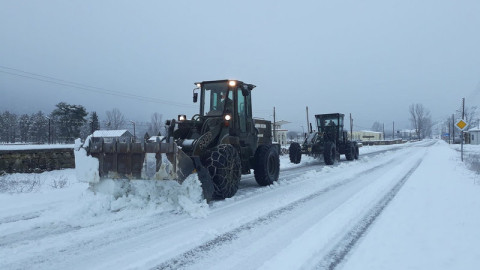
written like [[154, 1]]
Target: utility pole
[[393, 131], [134, 137], [383, 131], [49, 131], [453, 128], [463, 116], [449, 134], [274, 126], [351, 127], [308, 124]]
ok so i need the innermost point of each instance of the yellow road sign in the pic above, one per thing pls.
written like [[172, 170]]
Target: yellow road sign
[[461, 124]]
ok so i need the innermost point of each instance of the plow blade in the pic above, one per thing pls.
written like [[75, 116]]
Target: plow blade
[[147, 160]]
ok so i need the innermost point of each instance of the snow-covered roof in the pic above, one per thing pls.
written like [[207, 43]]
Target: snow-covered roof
[[281, 122], [369, 131], [474, 129], [154, 138], [111, 133]]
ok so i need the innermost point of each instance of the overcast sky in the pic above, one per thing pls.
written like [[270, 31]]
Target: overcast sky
[[369, 58]]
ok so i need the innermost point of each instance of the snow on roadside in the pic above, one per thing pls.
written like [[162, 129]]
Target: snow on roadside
[[432, 223], [153, 196]]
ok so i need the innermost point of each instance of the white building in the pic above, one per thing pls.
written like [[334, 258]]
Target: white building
[[280, 133], [474, 135], [122, 135], [365, 135]]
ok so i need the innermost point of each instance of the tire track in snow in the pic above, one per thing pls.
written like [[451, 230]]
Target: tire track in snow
[[21, 217], [346, 244], [190, 257], [36, 234]]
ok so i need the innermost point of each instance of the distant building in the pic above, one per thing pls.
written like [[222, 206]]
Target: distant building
[[111, 135], [365, 135], [406, 134], [474, 135], [280, 133]]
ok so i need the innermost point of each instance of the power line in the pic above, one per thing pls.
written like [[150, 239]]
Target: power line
[[53, 80]]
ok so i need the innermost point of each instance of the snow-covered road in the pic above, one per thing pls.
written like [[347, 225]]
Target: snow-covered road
[[314, 217]]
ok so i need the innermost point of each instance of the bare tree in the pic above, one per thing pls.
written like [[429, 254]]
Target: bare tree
[[421, 120], [471, 116], [155, 126], [377, 127], [292, 135], [115, 119]]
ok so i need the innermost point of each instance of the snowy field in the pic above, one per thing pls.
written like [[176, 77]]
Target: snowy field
[[409, 206]]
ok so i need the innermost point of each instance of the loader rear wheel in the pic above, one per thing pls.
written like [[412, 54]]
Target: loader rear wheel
[[224, 166], [267, 165], [329, 153], [295, 153]]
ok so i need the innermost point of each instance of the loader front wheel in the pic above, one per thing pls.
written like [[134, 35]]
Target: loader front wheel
[[224, 166], [295, 153], [267, 165]]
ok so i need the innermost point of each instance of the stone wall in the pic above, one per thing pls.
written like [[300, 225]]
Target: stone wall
[[36, 160]]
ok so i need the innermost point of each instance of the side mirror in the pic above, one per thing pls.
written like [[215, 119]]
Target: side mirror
[[245, 92], [195, 97]]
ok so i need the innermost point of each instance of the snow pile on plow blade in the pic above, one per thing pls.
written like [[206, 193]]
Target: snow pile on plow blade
[[139, 160], [96, 160]]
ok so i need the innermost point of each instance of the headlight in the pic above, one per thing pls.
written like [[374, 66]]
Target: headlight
[[232, 83], [198, 85], [182, 117], [228, 117]]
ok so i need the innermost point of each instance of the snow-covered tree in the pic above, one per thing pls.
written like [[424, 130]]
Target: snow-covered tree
[[70, 119], [24, 127], [8, 127], [39, 128], [94, 122], [90, 126]]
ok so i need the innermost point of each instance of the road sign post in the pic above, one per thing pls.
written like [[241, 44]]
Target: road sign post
[[461, 125]]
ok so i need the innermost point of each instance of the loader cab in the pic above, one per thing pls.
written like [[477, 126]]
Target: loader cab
[[229, 99]]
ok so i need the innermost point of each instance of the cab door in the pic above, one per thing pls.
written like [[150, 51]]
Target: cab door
[[246, 128]]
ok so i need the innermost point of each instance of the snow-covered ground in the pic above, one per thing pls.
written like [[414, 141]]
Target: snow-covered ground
[[409, 206]]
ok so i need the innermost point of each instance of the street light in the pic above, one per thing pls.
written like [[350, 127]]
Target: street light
[[134, 137]]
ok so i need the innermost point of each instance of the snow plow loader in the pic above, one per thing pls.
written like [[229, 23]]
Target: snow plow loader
[[219, 144]]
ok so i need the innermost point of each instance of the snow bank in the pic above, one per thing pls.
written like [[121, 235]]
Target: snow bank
[[86, 167], [163, 195], [110, 195], [432, 223]]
